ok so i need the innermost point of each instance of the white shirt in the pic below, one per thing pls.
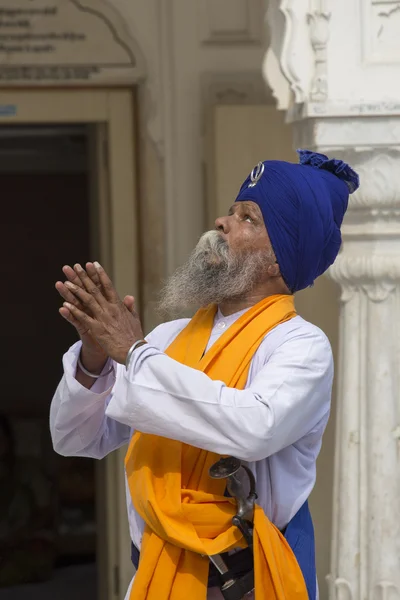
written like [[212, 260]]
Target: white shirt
[[275, 424]]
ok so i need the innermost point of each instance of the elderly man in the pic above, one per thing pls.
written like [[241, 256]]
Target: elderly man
[[245, 377]]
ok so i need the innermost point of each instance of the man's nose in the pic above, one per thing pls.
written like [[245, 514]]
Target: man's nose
[[222, 224]]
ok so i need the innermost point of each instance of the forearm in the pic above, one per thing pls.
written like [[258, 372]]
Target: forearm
[[93, 363], [194, 410], [286, 399], [78, 424]]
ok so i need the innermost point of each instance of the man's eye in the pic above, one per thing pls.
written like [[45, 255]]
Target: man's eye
[[248, 218]]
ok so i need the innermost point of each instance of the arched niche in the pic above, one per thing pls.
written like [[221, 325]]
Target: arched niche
[[66, 43]]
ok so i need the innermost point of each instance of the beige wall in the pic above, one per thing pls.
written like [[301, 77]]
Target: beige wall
[[238, 138], [195, 53]]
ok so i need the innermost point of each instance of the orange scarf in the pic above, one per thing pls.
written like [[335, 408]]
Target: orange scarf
[[186, 514]]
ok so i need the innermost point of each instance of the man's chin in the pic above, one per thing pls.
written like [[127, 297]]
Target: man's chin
[[213, 261]]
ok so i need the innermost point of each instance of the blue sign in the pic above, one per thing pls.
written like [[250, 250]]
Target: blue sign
[[8, 110]]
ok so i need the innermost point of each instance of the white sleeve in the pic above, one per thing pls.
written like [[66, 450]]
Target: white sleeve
[[78, 423], [284, 402]]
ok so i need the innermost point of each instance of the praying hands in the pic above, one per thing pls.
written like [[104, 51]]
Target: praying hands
[[101, 318]]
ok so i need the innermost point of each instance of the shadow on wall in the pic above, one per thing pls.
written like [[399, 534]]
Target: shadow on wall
[[320, 305]]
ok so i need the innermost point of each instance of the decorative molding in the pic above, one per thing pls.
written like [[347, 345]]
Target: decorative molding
[[318, 19], [244, 88], [377, 276], [357, 139], [231, 21], [381, 26], [386, 590], [86, 6], [234, 88], [291, 51], [342, 590], [371, 230], [374, 209], [286, 60], [382, 188], [271, 68], [382, 591], [276, 82]]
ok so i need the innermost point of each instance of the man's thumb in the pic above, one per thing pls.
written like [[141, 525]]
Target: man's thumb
[[129, 302]]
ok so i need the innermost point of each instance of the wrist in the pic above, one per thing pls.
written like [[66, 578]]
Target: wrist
[[135, 345], [94, 375], [93, 361]]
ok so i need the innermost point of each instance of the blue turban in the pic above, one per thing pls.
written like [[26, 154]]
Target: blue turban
[[303, 206]]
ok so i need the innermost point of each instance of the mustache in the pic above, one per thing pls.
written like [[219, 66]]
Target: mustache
[[213, 250], [212, 241]]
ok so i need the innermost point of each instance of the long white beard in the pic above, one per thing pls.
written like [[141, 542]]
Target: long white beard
[[213, 274]]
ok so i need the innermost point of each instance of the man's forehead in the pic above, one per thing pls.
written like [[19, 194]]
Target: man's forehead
[[247, 205]]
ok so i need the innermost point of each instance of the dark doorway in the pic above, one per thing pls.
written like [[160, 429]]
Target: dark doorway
[[44, 183]]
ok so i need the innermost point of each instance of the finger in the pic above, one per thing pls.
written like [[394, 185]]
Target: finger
[[67, 295], [93, 274], [74, 278], [83, 319], [89, 286], [107, 285], [71, 275], [129, 302], [88, 302], [68, 316]]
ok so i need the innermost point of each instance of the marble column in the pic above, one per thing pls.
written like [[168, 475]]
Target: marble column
[[333, 68], [365, 560]]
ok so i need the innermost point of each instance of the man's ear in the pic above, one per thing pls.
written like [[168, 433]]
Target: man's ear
[[274, 270]]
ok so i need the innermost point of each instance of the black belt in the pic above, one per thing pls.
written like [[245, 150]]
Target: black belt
[[240, 563]]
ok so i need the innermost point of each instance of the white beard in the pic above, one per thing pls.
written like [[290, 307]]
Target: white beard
[[213, 274]]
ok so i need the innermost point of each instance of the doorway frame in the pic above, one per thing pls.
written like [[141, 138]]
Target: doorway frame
[[113, 210]]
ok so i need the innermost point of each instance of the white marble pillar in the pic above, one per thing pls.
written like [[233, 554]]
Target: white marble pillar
[[365, 560], [335, 67]]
